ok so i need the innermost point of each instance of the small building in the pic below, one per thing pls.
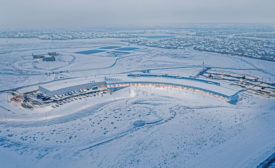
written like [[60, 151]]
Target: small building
[[52, 53], [45, 57], [48, 59], [37, 56]]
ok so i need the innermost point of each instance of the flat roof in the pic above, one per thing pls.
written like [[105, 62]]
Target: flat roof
[[56, 85], [224, 89]]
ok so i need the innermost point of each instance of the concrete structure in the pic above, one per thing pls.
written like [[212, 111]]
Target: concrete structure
[[70, 87]]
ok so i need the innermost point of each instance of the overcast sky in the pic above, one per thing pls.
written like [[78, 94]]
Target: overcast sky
[[90, 13]]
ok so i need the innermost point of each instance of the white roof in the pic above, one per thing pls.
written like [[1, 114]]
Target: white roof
[[68, 83], [220, 89]]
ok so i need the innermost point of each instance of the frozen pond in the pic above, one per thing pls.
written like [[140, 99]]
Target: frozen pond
[[90, 52], [127, 48]]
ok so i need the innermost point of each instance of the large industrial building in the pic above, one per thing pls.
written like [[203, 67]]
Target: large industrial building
[[69, 87]]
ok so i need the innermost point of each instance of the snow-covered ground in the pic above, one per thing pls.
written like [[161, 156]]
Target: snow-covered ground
[[136, 126]]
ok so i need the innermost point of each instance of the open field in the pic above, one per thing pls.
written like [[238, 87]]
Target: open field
[[174, 98]]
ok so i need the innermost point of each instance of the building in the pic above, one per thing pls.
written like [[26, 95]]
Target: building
[[62, 88], [52, 53], [37, 56], [47, 59]]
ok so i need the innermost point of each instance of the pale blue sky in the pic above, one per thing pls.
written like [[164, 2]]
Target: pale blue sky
[[86, 13]]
